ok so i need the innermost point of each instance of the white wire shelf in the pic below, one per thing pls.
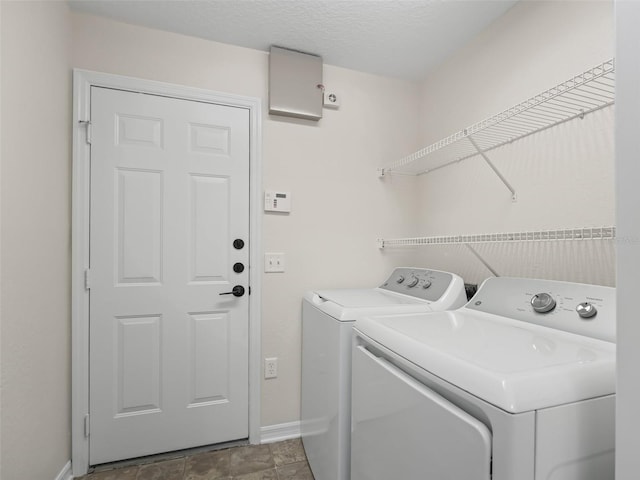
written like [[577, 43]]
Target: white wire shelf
[[585, 93], [586, 233]]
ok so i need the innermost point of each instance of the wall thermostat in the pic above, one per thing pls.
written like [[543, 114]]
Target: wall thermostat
[[277, 201]]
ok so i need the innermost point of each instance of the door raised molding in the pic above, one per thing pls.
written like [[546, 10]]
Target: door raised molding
[[82, 82]]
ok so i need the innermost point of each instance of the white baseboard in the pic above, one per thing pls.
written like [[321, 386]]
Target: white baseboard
[[65, 473], [280, 432]]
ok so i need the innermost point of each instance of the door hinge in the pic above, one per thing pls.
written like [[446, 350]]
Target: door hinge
[[86, 425], [87, 125], [87, 279]]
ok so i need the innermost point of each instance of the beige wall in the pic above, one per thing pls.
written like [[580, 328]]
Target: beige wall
[[35, 246], [563, 177], [339, 206]]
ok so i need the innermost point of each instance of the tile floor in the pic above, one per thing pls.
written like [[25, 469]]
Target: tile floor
[[275, 461]]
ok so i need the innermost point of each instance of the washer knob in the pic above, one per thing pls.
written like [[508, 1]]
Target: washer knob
[[413, 282], [543, 303], [586, 310], [426, 284], [400, 279]]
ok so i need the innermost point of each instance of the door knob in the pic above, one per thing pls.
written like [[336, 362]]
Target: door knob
[[236, 291]]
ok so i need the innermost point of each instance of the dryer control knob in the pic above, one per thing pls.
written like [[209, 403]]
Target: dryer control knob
[[400, 279], [426, 284], [586, 310], [413, 282], [543, 303]]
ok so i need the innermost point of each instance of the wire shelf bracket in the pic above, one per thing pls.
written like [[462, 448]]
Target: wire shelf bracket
[[482, 260], [483, 154]]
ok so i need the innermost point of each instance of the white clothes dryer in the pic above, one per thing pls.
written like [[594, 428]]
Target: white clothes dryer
[[519, 384], [327, 321]]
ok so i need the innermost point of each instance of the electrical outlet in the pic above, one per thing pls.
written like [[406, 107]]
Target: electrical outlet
[[274, 262], [271, 367]]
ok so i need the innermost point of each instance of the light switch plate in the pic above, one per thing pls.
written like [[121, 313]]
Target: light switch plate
[[274, 262]]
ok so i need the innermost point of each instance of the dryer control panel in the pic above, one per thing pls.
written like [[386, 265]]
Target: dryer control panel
[[588, 310], [419, 282]]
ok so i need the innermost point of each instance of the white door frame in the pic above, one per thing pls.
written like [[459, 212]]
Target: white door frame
[[83, 80]]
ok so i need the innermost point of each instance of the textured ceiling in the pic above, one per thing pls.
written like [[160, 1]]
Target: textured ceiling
[[397, 38]]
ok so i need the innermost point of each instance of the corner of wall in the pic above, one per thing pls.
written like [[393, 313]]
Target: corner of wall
[[35, 94]]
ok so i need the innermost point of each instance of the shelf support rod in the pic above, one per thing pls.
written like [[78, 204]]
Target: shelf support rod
[[482, 260], [483, 154]]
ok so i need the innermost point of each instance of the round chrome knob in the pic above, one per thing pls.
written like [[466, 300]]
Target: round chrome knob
[[586, 310], [543, 303], [426, 284], [413, 282], [400, 279]]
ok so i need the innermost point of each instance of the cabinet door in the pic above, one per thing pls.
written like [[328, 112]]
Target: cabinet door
[[402, 429]]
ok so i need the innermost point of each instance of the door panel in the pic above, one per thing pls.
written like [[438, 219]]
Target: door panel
[[209, 242], [137, 381], [168, 354], [209, 384], [138, 226]]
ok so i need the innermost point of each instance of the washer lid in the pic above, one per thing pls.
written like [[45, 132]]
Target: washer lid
[[367, 297], [346, 305], [514, 365]]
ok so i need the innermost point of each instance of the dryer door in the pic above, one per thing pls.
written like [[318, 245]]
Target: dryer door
[[402, 429]]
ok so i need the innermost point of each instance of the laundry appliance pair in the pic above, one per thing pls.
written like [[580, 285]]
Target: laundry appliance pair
[[519, 383]]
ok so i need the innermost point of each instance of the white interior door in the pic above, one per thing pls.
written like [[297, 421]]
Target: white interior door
[[169, 198]]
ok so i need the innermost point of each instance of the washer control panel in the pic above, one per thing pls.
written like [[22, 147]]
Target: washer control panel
[[573, 307], [418, 282]]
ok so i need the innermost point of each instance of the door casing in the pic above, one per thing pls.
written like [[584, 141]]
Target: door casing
[[83, 80]]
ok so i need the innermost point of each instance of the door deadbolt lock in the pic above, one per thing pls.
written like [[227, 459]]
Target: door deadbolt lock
[[238, 267], [237, 291]]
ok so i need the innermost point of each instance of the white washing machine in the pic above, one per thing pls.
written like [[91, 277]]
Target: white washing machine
[[327, 321], [519, 384]]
